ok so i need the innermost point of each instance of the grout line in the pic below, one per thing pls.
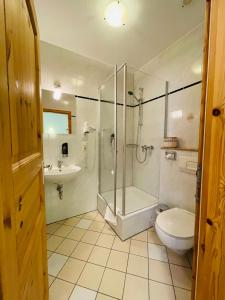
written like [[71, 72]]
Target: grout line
[[171, 274], [148, 268], [126, 269], [106, 265], [111, 249], [78, 241]]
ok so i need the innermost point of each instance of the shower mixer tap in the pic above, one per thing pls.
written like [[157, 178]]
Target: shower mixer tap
[[146, 148]]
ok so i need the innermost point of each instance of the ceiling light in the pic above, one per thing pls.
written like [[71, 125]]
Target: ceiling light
[[115, 14], [57, 93]]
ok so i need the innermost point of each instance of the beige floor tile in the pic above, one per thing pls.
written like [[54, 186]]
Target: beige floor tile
[[60, 290], [138, 265], [119, 245], [49, 253], [90, 237], [90, 215], [182, 277], [182, 294], [99, 256], [104, 297], [107, 229], [97, 226], [153, 237], [157, 252], [80, 293], [160, 291], [72, 221], [77, 234], [112, 283], [84, 223], [63, 230], [91, 276], [118, 260], [142, 236], [71, 270], [51, 228], [177, 259], [55, 263], [66, 247], [53, 242], [105, 240], [50, 280], [82, 251], [135, 288], [159, 271], [99, 218], [139, 248]]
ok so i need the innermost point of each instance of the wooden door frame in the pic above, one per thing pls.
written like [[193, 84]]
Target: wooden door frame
[[201, 142], [209, 258]]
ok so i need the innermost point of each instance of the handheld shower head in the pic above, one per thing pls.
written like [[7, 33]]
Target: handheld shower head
[[131, 93]]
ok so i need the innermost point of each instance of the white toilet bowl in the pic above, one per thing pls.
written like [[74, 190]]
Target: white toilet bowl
[[175, 228]]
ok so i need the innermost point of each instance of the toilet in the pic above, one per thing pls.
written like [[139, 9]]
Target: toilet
[[175, 228]]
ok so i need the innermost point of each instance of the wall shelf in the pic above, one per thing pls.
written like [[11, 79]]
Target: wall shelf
[[180, 149]]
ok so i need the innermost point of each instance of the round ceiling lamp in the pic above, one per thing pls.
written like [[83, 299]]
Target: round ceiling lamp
[[115, 14]]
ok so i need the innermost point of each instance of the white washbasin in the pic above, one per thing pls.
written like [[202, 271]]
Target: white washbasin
[[60, 176]]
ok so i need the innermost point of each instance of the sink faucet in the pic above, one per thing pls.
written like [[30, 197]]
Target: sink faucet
[[59, 164]]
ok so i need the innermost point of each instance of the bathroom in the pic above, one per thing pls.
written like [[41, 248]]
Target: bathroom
[[120, 147]]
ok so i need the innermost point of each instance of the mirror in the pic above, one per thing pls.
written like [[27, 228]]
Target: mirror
[[58, 115]]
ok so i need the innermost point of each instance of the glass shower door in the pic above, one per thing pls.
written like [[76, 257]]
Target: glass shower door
[[108, 142]]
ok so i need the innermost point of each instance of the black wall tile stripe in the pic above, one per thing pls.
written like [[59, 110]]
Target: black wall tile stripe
[[147, 101]]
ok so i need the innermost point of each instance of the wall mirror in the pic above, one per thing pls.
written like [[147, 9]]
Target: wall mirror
[[58, 115]]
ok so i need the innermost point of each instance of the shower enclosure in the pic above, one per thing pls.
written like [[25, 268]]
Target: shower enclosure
[[131, 128]]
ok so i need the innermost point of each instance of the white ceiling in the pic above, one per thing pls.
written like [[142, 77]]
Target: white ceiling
[[152, 25]]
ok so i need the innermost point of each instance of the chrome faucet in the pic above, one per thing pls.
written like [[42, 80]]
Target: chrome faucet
[[59, 164], [146, 148]]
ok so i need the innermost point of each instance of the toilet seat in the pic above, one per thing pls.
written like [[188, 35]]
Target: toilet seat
[[177, 223]]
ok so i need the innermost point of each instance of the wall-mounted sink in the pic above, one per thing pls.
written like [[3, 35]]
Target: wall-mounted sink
[[60, 176]]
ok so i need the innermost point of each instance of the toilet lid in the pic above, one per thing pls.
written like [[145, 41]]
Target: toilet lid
[[177, 222]]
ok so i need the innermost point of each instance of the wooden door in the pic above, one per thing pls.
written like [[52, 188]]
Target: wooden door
[[22, 212], [210, 267]]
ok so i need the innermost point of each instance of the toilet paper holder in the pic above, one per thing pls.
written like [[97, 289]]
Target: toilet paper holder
[[171, 155]]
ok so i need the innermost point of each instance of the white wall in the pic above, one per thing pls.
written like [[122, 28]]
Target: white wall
[[79, 194], [146, 175], [180, 64], [78, 75], [177, 188]]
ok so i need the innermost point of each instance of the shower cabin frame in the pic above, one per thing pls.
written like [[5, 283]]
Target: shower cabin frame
[[115, 103]]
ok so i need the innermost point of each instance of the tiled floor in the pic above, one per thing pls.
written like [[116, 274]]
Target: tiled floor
[[87, 261]]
